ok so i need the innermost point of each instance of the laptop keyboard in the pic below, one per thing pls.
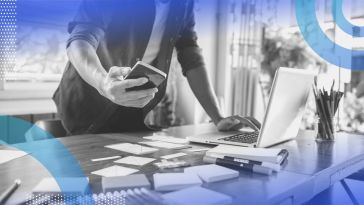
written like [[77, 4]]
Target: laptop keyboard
[[248, 138]]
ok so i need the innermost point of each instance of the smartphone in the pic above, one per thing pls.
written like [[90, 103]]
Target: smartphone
[[143, 70]]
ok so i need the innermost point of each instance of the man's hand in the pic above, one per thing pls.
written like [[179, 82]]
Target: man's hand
[[114, 88], [234, 123]]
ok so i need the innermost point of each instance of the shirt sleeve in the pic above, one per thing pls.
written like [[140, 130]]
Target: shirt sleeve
[[88, 24], [188, 52]]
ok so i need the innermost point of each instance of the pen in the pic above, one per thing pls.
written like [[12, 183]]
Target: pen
[[7, 193], [332, 98], [236, 165]]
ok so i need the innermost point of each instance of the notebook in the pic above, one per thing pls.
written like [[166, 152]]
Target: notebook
[[197, 196], [175, 181], [115, 171], [73, 185], [212, 172], [165, 145], [250, 153], [111, 184], [132, 148]]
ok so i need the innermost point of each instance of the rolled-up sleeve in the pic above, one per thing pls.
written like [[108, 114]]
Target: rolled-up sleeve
[[88, 24], [188, 52]]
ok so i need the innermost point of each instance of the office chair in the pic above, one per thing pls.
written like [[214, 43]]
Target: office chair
[[53, 128]]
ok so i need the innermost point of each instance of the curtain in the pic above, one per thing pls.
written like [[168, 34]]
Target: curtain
[[245, 55]]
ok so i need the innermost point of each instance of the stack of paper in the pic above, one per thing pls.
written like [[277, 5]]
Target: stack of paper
[[197, 196], [111, 184], [165, 145], [249, 153], [212, 172], [257, 160], [132, 148], [175, 181], [71, 186]]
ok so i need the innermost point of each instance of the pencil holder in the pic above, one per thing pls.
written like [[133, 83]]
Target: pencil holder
[[325, 130], [327, 104]]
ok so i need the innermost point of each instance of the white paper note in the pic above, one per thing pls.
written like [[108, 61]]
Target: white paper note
[[197, 195], [171, 156], [165, 145], [132, 160], [132, 148], [212, 172], [175, 181], [197, 149], [115, 171], [8, 155], [169, 139]]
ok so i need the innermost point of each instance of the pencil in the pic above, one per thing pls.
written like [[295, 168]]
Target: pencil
[[325, 115], [7, 193]]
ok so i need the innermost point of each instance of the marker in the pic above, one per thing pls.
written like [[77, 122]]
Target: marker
[[7, 193], [275, 167], [241, 166]]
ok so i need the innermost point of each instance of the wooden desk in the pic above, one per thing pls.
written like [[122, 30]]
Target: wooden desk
[[311, 168]]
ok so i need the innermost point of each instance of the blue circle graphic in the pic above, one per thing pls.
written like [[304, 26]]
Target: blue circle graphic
[[319, 42], [50, 152], [342, 22]]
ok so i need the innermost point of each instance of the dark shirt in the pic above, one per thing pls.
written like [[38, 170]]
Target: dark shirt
[[119, 30]]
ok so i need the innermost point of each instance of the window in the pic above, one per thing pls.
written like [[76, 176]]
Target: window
[[40, 44], [261, 40]]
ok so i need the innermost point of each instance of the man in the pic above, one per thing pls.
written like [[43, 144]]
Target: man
[[107, 37]]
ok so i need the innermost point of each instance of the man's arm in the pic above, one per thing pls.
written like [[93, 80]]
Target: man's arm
[[87, 30], [191, 60], [193, 66], [189, 55], [84, 58], [201, 87]]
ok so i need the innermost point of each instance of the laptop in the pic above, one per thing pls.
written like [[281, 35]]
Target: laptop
[[282, 120]]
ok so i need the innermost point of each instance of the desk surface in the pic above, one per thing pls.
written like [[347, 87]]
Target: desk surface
[[311, 168]]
